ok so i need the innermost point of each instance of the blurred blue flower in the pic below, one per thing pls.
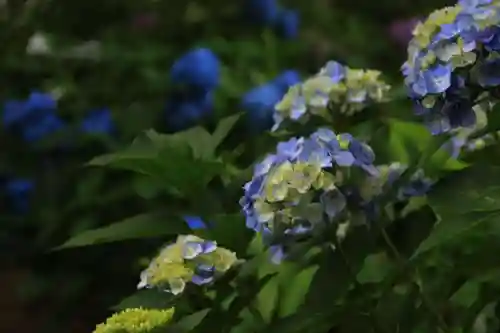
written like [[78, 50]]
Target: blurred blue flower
[[287, 79], [194, 222], [288, 24], [98, 121], [199, 68], [14, 112], [184, 112], [18, 191], [47, 125], [35, 106], [262, 11], [34, 117], [38, 101], [258, 103]]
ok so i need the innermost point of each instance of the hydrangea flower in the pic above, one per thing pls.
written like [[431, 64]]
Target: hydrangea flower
[[335, 88], [18, 191], [262, 11], [34, 117], [189, 259], [98, 121], [183, 112], [287, 23], [451, 59], [301, 189], [286, 80], [136, 320], [194, 222], [198, 68], [476, 144], [47, 125], [258, 103]]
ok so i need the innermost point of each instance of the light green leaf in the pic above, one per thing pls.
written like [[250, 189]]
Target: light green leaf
[[140, 226], [267, 299], [406, 140], [375, 268], [467, 295], [294, 290]]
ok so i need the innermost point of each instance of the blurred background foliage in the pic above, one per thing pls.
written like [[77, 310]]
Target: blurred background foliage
[[94, 56]]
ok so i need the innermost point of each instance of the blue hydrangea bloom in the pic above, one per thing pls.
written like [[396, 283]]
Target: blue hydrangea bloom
[[34, 117], [183, 112], [451, 59], [18, 190], [297, 189], [258, 103], [419, 185], [198, 68], [47, 125], [287, 79], [14, 112], [194, 222], [41, 101], [35, 106], [262, 11], [288, 23], [98, 122]]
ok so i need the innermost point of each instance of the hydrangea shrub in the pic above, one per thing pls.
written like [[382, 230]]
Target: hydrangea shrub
[[391, 231]]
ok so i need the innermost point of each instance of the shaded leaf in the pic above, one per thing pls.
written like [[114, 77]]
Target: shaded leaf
[[148, 298], [223, 129], [466, 202], [140, 226], [375, 268]]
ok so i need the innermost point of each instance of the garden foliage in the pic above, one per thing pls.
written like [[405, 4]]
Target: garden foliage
[[342, 210], [354, 220]]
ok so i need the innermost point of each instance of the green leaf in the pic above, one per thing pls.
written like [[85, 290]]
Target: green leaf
[[149, 225], [294, 290], [375, 268], [229, 230], [467, 202], [223, 129], [189, 323], [148, 298], [407, 140], [196, 138], [467, 295], [267, 299], [182, 163], [146, 187]]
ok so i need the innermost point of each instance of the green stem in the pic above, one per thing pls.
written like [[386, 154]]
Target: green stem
[[416, 280], [378, 328]]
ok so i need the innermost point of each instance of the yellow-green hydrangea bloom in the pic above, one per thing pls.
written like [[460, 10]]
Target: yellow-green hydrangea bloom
[[137, 320]]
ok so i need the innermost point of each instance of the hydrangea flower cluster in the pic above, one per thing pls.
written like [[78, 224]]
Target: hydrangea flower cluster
[[19, 191], [303, 187], [336, 88], [98, 121], [268, 12], [35, 117], [197, 74], [136, 320], [259, 102], [452, 61], [189, 259]]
